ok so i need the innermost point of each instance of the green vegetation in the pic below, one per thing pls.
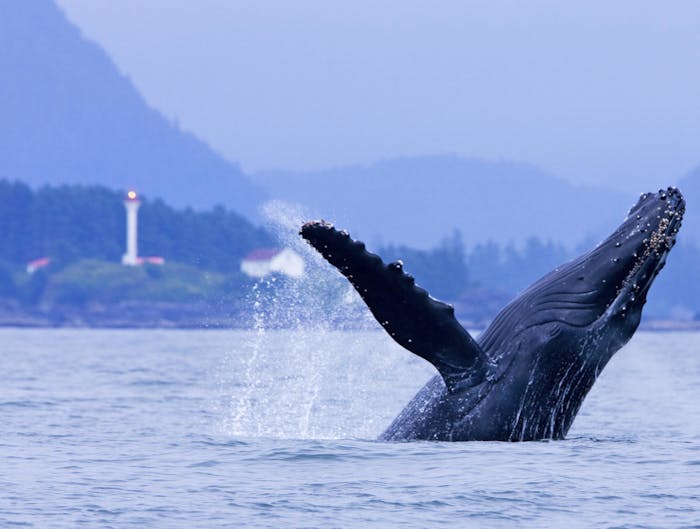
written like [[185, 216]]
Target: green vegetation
[[442, 270], [69, 223], [81, 229], [69, 115], [490, 271], [102, 282]]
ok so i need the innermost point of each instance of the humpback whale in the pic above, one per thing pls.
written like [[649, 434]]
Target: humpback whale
[[526, 376]]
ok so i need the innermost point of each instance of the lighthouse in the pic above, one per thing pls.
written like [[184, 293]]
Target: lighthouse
[[131, 203]]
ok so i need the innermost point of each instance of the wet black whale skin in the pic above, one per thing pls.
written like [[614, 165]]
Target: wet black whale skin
[[526, 376]]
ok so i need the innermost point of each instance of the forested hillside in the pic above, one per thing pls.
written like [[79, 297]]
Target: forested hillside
[[482, 280], [82, 230], [74, 222], [69, 116]]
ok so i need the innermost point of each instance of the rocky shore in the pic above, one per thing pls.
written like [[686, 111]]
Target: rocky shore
[[131, 314], [165, 315]]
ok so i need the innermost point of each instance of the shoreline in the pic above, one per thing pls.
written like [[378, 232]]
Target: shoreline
[[168, 315], [125, 315]]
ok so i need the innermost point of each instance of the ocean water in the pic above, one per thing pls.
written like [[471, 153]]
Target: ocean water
[[269, 428]]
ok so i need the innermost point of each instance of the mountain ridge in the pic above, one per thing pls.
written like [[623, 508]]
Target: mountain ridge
[[690, 187], [70, 116], [485, 200], [74, 118]]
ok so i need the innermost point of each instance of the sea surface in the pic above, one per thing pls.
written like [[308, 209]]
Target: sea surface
[[272, 428]]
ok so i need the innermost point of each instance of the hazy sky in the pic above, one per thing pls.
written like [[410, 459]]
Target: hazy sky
[[595, 91]]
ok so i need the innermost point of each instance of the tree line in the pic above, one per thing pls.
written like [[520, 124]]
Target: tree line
[[74, 223], [451, 272]]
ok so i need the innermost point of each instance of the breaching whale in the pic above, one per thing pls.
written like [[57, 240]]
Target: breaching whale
[[526, 376]]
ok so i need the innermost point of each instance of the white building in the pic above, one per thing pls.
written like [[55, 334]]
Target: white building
[[264, 261]]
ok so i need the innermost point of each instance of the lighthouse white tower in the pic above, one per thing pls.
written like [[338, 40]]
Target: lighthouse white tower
[[131, 203]]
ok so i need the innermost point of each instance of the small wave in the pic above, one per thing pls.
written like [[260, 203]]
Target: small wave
[[154, 382], [630, 439], [205, 464], [26, 403], [224, 443]]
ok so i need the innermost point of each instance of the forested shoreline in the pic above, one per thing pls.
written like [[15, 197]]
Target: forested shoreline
[[81, 230]]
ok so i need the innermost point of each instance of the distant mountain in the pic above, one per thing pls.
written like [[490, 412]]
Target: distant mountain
[[420, 200], [676, 293], [690, 186], [68, 115]]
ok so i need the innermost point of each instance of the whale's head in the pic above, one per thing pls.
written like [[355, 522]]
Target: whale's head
[[604, 289], [622, 267]]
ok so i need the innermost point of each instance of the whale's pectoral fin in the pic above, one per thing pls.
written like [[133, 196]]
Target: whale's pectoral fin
[[415, 320]]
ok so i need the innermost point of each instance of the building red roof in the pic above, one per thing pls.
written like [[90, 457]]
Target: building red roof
[[38, 263], [151, 259]]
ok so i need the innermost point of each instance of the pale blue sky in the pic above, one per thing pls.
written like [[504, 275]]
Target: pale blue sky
[[595, 91]]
